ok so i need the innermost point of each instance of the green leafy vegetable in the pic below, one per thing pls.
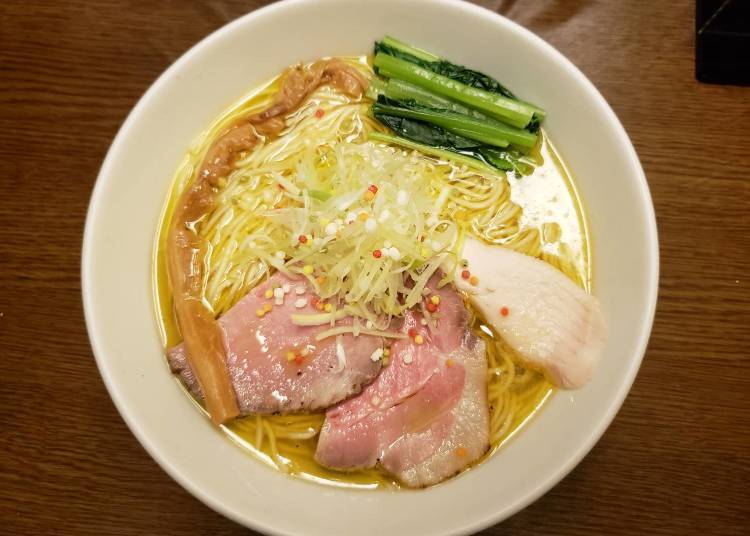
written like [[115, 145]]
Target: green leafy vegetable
[[376, 88], [441, 66], [508, 160], [458, 112], [449, 145], [507, 110], [424, 133], [452, 122], [398, 90], [436, 64], [394, 46], [484, 129]]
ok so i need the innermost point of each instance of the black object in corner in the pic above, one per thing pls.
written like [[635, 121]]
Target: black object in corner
[[722, 41]]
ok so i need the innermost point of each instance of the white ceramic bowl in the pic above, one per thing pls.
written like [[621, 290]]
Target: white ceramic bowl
[[131, 188]]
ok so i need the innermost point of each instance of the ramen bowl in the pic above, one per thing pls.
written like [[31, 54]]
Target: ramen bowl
[[125, 212]]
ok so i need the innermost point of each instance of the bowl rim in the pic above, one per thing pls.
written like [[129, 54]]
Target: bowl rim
[[471, 526]]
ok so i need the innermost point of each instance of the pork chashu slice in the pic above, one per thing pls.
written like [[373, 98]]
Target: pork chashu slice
[[425, 417], [267, 379]]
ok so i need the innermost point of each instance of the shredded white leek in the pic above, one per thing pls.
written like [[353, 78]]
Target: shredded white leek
[[340, 330], [365, 223]]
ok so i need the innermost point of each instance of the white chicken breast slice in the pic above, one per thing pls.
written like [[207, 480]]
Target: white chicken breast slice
[[553, 324]]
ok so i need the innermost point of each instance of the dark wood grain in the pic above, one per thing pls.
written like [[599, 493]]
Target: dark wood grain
[[676, 459]]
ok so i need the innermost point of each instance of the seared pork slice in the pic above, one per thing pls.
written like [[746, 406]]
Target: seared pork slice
[[425, 417], [278, 367], [551, 322]]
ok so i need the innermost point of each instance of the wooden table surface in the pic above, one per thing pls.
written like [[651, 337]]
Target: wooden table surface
[[675, 460]]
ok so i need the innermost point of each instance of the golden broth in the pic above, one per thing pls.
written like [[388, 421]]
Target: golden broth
[[552, 220]]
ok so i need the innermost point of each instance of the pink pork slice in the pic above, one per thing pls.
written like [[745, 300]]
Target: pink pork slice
[[425, 417], [264, 380]]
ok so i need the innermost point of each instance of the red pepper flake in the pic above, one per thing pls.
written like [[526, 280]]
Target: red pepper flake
[[280, 186], [302, 239], [373, 188], [504, 311], [412, 332], [377, 253], [431, 307], [466, 274], [298, 359], [461, 452], [421, 238], [320, 112]]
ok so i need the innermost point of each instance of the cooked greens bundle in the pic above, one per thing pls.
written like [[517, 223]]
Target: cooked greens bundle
[[445, 109]]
